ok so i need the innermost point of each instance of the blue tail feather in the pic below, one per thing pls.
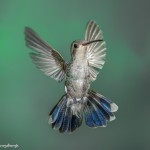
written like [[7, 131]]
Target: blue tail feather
[[101, 117], [99, 114], [88, 117], [108, 104], [94, 114], [70, 118], [62, 117], [66, 121], [74, 123], [98, 110], [106, 112], [55, 112]]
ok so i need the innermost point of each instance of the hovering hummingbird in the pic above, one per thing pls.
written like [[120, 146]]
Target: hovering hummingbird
[[87, 58]]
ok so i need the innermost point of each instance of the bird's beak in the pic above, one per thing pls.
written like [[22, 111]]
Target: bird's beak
[[89, 42]]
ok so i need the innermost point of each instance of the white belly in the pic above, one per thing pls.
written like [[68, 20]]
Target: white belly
[[77, 83]]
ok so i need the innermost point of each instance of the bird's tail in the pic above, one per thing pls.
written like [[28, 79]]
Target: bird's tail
[[62, 117], [98, 110], [68, 117]]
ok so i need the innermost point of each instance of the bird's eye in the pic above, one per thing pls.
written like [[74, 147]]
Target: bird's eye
[[76, 45]]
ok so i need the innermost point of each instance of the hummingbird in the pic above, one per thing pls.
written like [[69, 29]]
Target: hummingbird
[[78, 101]]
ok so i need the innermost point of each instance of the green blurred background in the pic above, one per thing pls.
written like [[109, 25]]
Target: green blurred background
[[27, 95]]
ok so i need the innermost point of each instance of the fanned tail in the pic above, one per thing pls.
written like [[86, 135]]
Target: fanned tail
[[62, 117], [98, 110]]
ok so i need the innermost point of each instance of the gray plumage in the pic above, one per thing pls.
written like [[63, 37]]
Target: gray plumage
[[87, 58]]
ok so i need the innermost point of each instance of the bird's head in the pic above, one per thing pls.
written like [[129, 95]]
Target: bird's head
[[79, 47]]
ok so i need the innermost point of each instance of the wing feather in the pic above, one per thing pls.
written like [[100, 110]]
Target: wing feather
[[96, 51], [44, 56]]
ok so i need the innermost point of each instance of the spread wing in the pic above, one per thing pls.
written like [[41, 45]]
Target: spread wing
[[96, 50], [45, 57]]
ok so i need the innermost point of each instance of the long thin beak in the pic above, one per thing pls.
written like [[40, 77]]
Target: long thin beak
[[87, 43]]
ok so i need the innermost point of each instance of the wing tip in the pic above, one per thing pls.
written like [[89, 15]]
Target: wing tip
[[27, 29], [91, 21]]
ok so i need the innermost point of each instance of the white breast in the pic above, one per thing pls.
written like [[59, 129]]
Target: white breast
[[79, 69]]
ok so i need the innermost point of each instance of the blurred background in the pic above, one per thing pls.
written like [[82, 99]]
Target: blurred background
[[27, 95]]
